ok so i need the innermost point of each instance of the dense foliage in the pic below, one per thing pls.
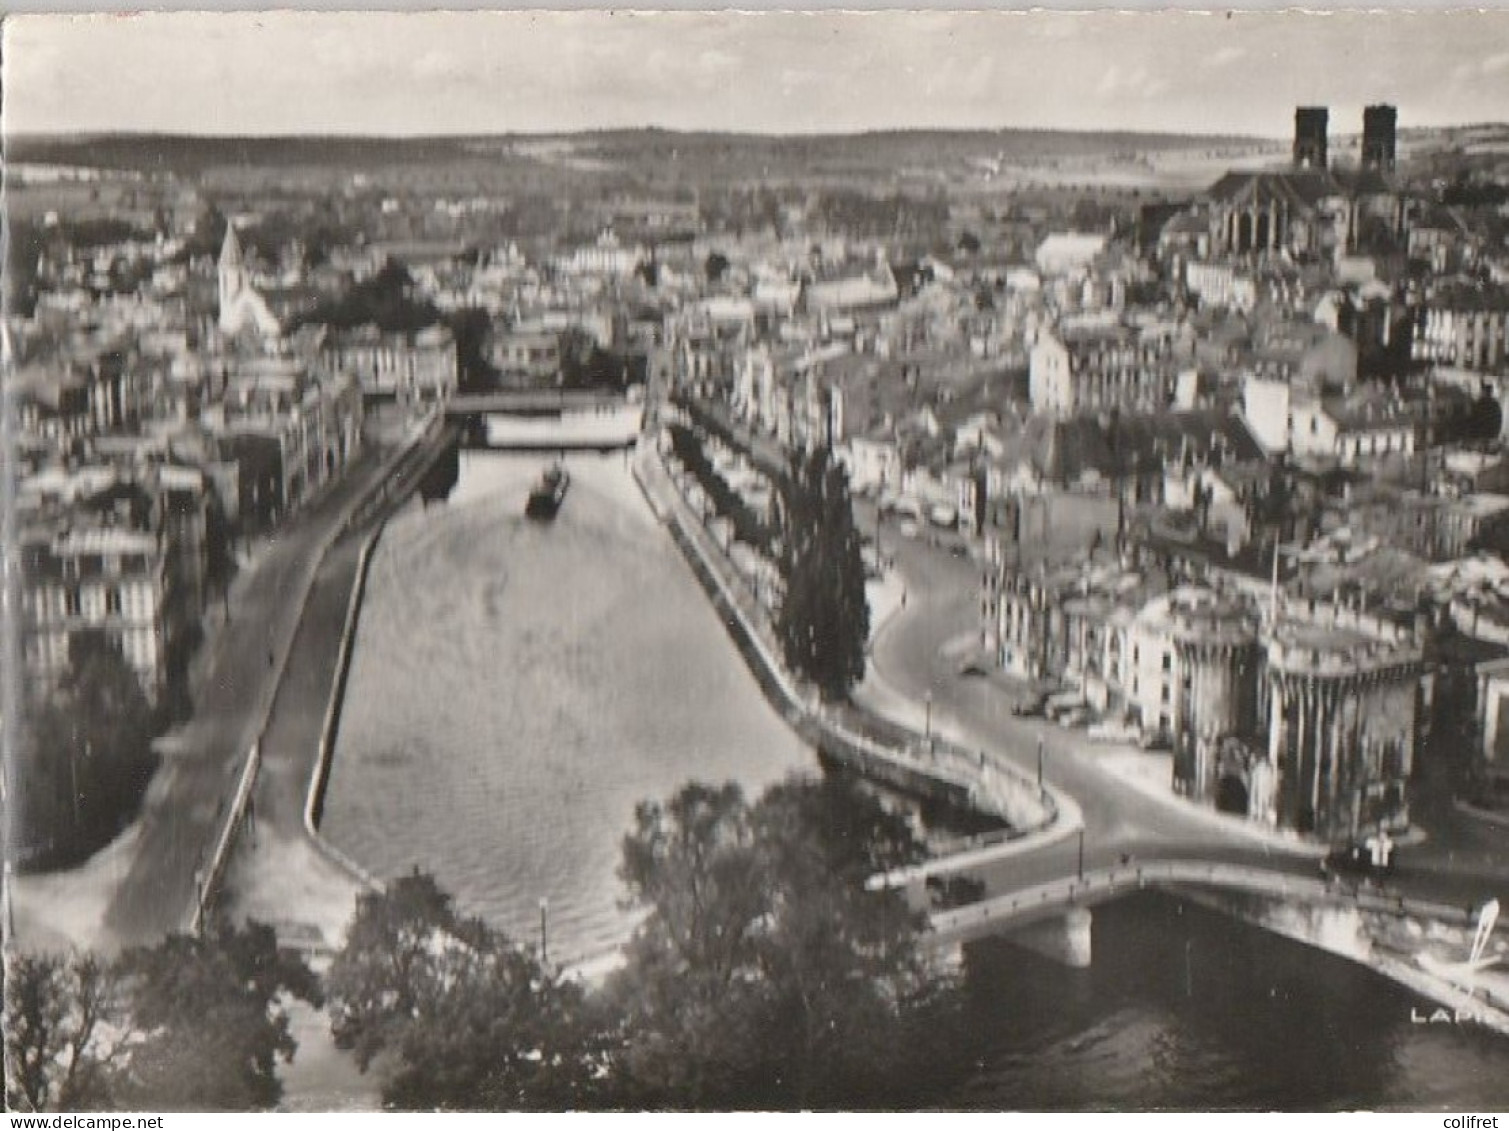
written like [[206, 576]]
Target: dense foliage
[[824, 622], [192, 1024], [765, 975], [467, 1019], [85, 755], [749, 527], [386, 301]]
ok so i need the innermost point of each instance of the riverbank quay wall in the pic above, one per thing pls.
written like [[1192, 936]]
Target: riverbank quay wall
[[927, 767], [396, 481]]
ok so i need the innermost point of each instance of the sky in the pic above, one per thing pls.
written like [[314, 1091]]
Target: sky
[[390, 73]]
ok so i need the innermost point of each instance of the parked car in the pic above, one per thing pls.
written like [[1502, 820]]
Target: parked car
[[1359, 860], [975, 667], [1153, 739], [1059, 705], [954, 891], [1114, 730], [909, 528], [1032, 708], [1074, 717]]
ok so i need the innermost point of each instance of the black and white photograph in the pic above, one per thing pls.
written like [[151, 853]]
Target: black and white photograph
[[785, 561]]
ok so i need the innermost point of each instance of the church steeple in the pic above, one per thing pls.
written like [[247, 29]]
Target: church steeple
[[230, 250], [232, 273]]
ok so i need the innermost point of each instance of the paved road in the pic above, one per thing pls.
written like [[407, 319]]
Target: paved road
[[912, 658], [182, 812]]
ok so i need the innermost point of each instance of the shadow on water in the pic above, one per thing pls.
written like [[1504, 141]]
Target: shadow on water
[[1187, 1009]]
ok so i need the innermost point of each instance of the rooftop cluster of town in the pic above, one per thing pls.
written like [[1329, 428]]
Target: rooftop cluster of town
[[1234, 460]]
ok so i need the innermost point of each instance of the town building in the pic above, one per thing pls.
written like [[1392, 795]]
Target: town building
[[119, 552], [1465, 327], [1090, 369], [1293, 416], [413, 369]]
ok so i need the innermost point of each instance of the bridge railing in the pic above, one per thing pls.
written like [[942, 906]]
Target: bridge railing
[[1099, 884]]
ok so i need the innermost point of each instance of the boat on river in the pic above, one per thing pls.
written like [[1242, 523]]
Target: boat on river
[[546, 496]]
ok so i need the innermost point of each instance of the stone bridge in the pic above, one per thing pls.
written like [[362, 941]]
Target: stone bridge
[[1053, 918]]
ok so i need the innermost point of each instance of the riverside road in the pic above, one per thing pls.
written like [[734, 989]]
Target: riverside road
[[186, 805]]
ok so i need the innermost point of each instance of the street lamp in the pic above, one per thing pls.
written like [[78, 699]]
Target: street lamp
[[1081, 855], [928, 730], [1040, 763]]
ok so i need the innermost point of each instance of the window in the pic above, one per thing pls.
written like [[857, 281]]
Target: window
[[1168, 661], [1163, 695], [71, 605], [112, 601]]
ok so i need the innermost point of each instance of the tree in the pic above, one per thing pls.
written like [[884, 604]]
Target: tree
[[472, 1021], [716, 267], [86, 754], [62, 1020], [210, 1021], [685, 996], [764, 974], [842, 974], [824, 622]]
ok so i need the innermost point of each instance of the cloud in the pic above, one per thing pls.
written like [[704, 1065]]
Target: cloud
[[1494, 63], [1136, 83]]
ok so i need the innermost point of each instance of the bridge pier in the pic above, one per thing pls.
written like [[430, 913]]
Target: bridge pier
[[1065, 940]]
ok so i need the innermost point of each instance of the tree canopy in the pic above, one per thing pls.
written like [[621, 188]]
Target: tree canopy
[[467, 1019], [191, 1024], [210, 1020], [85, 755], [765, 975]]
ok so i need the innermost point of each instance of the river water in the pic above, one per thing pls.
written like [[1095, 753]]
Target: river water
[[516, 688]]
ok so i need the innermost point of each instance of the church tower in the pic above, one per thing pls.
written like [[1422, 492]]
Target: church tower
[[232, 277]]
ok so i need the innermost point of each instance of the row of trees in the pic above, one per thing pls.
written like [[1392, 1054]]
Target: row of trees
[[749, 527], [824, 621], [764, 975]]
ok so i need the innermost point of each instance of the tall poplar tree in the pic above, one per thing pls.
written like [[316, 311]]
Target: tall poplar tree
[[824, 622]]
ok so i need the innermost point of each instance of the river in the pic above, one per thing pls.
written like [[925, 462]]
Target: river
[[516, 688]]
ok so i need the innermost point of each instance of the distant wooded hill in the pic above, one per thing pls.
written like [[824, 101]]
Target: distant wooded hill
[[189, 154]]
